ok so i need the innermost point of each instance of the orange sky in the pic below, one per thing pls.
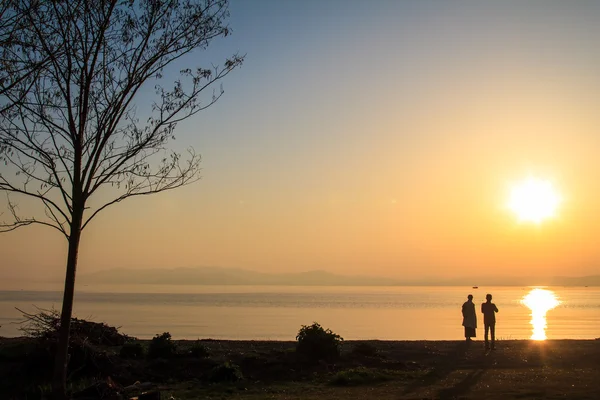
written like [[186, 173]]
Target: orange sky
[[382, 148]]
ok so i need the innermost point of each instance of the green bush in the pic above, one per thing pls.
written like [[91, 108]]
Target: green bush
[[359, 376], [161, 346], [316, 343], [226, 372], [199, 350], [132, 350]]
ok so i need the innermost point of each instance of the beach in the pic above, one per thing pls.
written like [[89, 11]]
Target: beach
[[442, 370], [231, 350], [277, 312], [237, 331], [517, 369]]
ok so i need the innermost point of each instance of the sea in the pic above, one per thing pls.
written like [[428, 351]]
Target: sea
[[278, 312]]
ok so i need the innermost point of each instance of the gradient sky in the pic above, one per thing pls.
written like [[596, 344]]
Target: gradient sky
[[377, 138]]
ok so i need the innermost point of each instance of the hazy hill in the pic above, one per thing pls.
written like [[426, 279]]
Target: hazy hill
[[235, 276], [523, 281], [228, 276]]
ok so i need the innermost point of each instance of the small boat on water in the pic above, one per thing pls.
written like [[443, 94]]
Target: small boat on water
[[475, 287]]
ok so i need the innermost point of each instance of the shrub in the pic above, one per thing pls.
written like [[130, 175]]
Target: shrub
[[226, 372], [132, 350], [199, 350], [364, 349], [45, 325], [316, 343], [85, 360], [359, 376], [161, 346], [252, 360]]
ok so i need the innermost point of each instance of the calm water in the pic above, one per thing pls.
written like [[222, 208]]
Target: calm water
[[276, 312]]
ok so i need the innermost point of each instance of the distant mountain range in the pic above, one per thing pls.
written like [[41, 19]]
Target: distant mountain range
[[235, 276], [592, 280], [228, 276]]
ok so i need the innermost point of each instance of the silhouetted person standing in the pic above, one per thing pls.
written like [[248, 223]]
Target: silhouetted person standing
[[469, 318], [489, 311]]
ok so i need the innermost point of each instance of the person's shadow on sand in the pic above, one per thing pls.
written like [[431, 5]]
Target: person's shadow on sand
[[451, 361], [465, 384]]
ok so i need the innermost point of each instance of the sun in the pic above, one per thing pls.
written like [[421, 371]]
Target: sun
[[534, 200]]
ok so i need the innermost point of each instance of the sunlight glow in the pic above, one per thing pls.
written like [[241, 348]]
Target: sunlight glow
[[534, 200], [540, 301]]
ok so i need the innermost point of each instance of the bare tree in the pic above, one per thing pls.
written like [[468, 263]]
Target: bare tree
[[72, 75], [15, 70]]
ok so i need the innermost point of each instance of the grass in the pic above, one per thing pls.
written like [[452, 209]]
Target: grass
[[361, 376], [15, 350], [381, 370], [357, 382], [46, 388]]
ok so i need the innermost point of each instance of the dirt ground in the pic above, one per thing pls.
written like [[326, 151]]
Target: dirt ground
[[557, 369], [516, 369], [554, 369]]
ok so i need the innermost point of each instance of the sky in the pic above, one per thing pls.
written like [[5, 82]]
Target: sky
[[373, 138]]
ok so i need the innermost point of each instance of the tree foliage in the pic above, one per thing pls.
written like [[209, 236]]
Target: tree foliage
[[71, 127]]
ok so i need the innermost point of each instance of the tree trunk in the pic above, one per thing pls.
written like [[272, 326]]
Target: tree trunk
[[61, 361]]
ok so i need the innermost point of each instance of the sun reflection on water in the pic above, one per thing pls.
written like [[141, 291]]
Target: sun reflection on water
[[540, 301]]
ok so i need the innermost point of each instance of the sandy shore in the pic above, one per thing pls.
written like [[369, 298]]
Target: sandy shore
[[454, 370], [517, 369]]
